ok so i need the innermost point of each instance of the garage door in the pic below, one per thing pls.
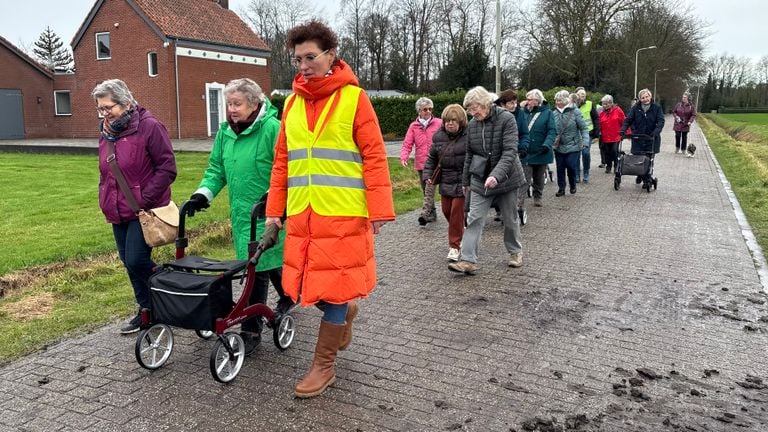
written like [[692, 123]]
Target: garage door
[[11, 114]]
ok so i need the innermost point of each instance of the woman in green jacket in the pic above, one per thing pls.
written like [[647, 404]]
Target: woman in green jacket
[[241, 158]]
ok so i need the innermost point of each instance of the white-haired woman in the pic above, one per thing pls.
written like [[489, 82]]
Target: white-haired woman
[[542, 132], [145, 158], [418, 139], [241, 158], [492, 169], [572, 137]]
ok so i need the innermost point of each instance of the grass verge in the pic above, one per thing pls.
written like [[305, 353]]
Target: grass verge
[[82, 285], [745, 164]]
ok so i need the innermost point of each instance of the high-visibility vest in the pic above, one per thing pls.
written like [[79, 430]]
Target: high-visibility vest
[[325, 168], [585, 109]]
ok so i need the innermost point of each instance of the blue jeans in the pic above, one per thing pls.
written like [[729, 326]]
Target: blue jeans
[[586, 159], [567, 162], [333, 313], [137, 258]]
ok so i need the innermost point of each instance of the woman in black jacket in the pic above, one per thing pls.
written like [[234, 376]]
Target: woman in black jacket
[[644, 118], [445, 162]]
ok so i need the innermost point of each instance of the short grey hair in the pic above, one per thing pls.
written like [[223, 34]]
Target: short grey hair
[[478, 96], [424, 102], [248, 88], [536, 94], [642, 92], [607, 98], [563, 96], [116, 90]]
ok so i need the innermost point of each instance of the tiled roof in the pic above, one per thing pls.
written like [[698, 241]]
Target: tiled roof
[[200, 20], [32, 62]]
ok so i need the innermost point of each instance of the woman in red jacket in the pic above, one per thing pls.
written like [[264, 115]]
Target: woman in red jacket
[[331, 179], [611, 119]]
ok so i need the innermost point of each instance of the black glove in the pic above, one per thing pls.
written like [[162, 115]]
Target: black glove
[[198, 202], [522, 154], [270, 237], [544, 150]]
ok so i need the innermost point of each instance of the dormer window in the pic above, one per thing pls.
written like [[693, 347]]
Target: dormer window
[[103, 50]]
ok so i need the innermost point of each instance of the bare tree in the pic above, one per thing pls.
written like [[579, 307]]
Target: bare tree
[[376, 31]]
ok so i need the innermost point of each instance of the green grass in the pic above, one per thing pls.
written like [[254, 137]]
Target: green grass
[[745, 164], [751, 127], [62, 250]]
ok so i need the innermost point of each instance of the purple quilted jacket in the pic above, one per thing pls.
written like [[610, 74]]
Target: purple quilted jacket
[[145, 157]]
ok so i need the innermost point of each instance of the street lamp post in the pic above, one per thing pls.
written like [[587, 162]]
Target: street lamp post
[[634, 95], [654, 82]]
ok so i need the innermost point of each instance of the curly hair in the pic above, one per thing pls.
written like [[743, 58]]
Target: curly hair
[[313, 30]]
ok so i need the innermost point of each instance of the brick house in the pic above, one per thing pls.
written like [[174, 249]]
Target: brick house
[[176, 56]]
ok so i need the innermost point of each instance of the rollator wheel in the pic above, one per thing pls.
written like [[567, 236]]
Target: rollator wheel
[[284, 331], [204, 334], [616, 183], [153, 346], [530, 191], [226, 366], [655, 183]]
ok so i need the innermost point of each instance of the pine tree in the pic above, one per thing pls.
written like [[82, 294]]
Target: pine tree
[[49, 49]]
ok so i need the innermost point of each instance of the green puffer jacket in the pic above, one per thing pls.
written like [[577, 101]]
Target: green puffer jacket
[[244, 164], [572, 129]]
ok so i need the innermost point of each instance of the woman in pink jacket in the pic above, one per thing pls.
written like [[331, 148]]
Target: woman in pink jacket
[[419, 139]]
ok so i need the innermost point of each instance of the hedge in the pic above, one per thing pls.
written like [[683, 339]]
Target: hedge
[[396, 113]]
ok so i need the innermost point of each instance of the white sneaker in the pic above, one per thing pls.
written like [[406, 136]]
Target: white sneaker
[[516, 260], [453, 255], [678, 151]]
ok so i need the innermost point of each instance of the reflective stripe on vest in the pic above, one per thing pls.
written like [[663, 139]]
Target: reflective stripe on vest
[[325, 168], [585, 109]]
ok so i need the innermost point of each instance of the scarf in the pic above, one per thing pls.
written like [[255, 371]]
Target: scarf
[[111, 131], [425, 123], [240, 126]]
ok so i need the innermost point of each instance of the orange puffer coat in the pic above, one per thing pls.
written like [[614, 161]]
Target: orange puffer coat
[[331, 258]]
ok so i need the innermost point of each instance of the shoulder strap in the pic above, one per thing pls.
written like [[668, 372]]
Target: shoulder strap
[[111, 160], [436, 172], [533, 120]]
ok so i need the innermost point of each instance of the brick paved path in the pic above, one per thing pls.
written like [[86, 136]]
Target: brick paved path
[[613, 282]]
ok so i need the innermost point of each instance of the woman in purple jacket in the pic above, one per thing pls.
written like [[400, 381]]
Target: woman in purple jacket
[[145, 157], [685, 114]]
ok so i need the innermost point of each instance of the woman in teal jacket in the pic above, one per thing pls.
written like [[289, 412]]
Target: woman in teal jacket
[[241, 158], [542, 133]]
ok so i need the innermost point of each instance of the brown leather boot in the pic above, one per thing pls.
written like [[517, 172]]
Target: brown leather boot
[[346, 338], [322, 373]]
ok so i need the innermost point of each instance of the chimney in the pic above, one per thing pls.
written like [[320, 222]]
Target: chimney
[[223, 3]]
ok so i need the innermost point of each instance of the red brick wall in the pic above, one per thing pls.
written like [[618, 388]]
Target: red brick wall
[[194, 73], [15, 73]]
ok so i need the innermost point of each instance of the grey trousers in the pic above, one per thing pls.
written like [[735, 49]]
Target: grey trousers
[[478, 212]]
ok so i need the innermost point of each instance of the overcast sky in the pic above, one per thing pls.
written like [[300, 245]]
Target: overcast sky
[[736, 25]]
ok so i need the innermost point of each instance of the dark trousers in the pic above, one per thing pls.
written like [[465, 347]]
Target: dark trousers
[[567, 162], [259, 294], [601, 146], [453, 210], [137, 258], [535, 175], [610, 154], [681, 140]]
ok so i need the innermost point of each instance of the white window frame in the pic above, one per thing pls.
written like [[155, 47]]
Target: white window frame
[[97, 46], [222, 104], [149, 64], [56, 103]]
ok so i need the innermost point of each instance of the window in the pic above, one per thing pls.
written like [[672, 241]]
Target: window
[[152, 63], [103, 51], [61, 103]]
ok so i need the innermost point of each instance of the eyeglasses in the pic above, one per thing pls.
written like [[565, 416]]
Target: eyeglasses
[[427, 109], [309, 58], [106, 109]]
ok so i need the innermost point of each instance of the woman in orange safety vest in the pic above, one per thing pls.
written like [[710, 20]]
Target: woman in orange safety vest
[[331, 178]]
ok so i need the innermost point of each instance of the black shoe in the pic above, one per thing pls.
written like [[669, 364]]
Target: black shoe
[[284, 305], [422, 221], [432, 217], [251, 341], [638, 180], [608, 170], [132, 326], [573, 190], [560, 193], [601, 166]]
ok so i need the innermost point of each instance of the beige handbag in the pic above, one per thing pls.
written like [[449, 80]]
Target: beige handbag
[[159, 225]]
